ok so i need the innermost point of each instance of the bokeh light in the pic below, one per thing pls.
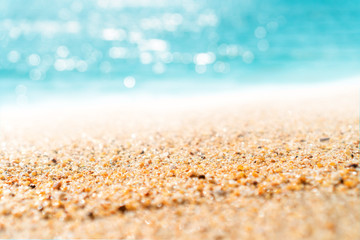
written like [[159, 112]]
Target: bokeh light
[[78, 44]]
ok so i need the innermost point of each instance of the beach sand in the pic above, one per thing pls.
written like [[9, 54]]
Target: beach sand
[[277, 164]]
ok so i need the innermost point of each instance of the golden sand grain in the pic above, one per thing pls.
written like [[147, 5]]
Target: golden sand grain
[[266, 170]]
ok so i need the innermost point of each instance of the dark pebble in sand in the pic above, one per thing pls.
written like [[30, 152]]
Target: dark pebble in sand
[[195, 175], [353, 165], [201, 176], [32, 185], [91, 215], [324, 139], [122, 208], [341, 180]]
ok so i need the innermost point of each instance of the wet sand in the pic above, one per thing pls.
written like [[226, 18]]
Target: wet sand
[[280, 165]]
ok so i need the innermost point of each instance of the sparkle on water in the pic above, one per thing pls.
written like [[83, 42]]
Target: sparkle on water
[[105, 41]]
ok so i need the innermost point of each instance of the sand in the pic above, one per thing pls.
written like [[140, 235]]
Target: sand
[[279, 164]]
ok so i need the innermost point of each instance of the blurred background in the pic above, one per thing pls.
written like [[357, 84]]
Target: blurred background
[[81, 47]]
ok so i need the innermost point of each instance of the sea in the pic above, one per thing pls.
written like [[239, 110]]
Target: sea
[[68, 48]]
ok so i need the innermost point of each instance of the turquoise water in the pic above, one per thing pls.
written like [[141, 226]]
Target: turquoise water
[[108, 46]]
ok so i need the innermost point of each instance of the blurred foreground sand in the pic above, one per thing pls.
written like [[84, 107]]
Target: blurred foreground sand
[[278, 165]]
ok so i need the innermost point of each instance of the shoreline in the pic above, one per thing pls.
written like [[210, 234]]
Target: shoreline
[[249, 94]]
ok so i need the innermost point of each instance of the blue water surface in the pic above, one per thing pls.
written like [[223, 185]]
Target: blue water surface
[[112, 46]]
